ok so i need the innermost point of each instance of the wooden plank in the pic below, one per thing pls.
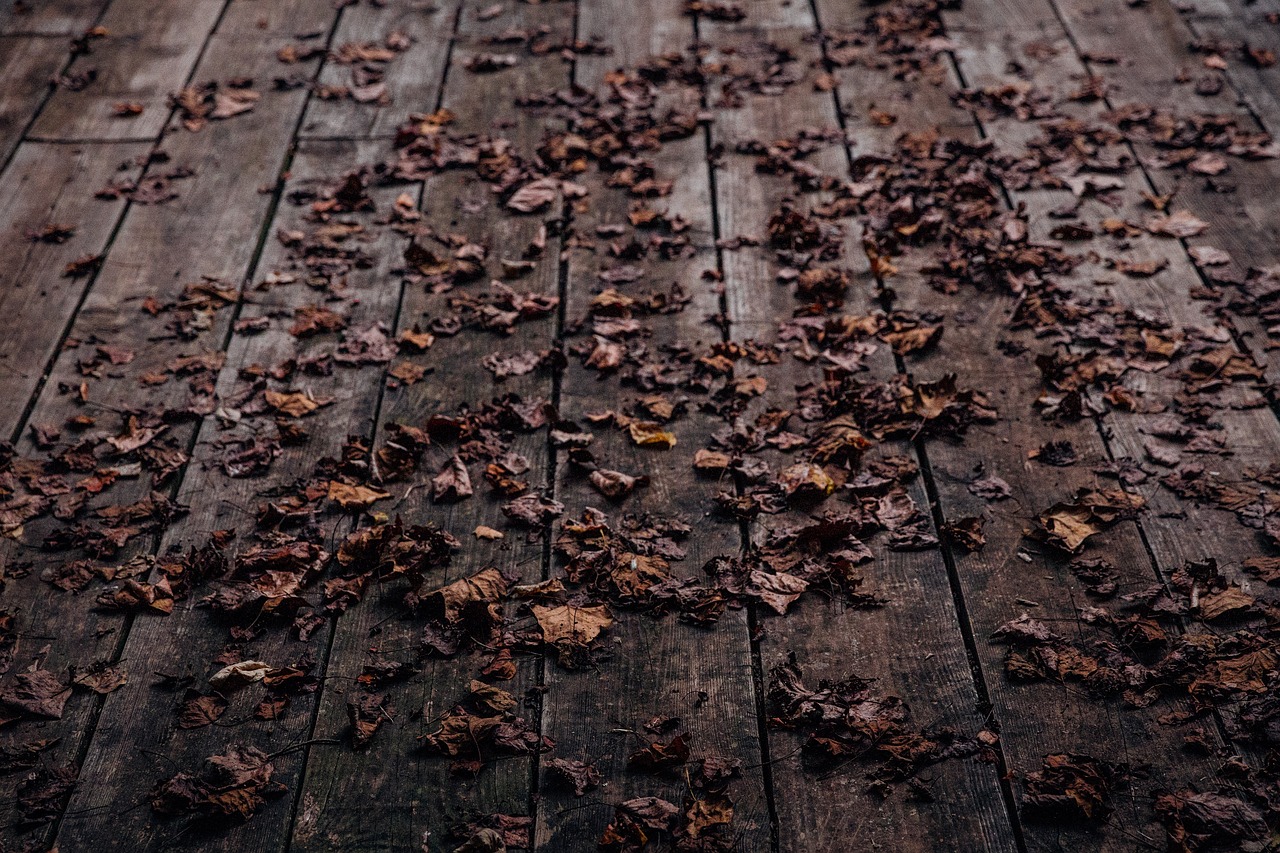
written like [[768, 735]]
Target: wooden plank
[[600, 716], [417, 798], [1241, 220], [50, 184], [913, 646], [412, 78], [49, 17], [981, 63], [149, 52], [1229, 10], [1250, 86], [1177, 530], [1244, 226], [995, 588], [26, 65], [187, 642], [211, 229]]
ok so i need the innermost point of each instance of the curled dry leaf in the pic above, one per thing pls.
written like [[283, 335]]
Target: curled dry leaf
[[295, 404], [352, 497], [1071, 788], [650, 434], [571, 629], [581, 776], [453, 483], [615, 485], [534, 196], [1069, 525]]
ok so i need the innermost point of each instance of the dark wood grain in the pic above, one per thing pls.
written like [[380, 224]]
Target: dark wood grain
[[930, 671], [186, 642], [417, 798], [660, 667], [49, 17], [412, 79], [149, 52], [982, 55], [27, 66], [929, 642], [45, 184], [211, 229], [1239, 225]]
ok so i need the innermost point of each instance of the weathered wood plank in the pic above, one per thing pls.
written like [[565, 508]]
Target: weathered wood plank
[[50, 184], [993, 585], [652, 674], [412, 78], [27, 66], [1251, 85], [187, 642], [1229, 10], [49, 17], [912, 646], [417, 798], [391, 797], [211, 229], [149, 53], [1236, 204], [981, 63], [1245, 226]]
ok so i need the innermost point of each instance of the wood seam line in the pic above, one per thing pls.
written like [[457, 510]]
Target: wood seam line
[[978, 675], [1161, 572], [758, 686]]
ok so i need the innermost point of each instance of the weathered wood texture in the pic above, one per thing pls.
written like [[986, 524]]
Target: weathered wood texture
[[51, 184], [212, 228], [27, 66], [412, 79], [653, 673], [82, 356], [832, 639], [49, 17], [149, 52], [417, 798]]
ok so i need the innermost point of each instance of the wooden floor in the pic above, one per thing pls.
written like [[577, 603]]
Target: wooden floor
[[778, 425]]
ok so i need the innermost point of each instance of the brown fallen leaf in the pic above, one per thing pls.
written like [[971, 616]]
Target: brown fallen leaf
[[232, 784], [650, 434], [33, 693], [615, 485], [485, 588], [416, 340], [453, 483], [570, 629], [534, 196], [367, 712], [1071, 788], [354, 497], [1068, 525], [1179, 224], [966, 533], [231, 101], [295, 404], [581, 776], [200, 709], [408, 372]]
